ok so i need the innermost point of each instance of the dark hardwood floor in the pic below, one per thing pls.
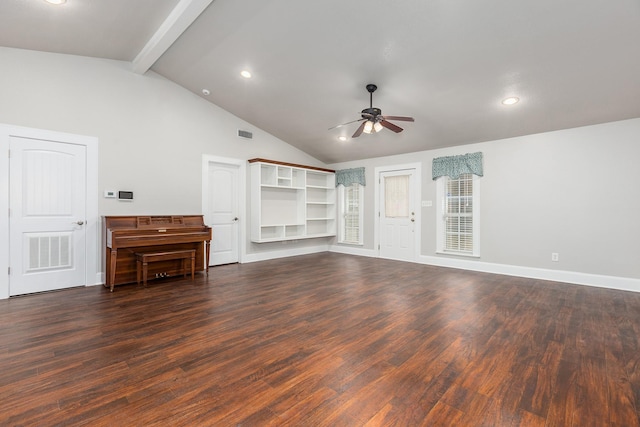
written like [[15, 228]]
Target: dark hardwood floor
[[323, 340]]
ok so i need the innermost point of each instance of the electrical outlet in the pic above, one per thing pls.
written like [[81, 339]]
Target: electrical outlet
[[555, 257]]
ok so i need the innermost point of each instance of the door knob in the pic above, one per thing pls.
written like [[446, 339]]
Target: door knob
[[235, 219], [79, 222]]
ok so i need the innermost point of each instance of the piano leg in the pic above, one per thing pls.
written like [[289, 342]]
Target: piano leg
[[207, 249], [193, 265], [112, 273]]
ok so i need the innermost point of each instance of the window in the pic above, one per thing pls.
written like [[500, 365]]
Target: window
[[351, 214], [459, 225]]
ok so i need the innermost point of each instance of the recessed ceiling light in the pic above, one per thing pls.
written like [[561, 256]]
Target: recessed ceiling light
[[510, 101], [246, 74], [342, 138], [56, 1], [206, 92]]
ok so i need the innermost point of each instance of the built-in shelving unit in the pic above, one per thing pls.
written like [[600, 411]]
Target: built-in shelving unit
[[290, 202]]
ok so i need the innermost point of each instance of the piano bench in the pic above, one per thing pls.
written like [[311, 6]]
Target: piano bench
[[144, 258]]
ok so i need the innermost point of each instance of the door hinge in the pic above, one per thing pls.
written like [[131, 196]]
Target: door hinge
[[9, 270]]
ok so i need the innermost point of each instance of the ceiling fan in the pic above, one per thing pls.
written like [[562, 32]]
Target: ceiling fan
[[373, 120]]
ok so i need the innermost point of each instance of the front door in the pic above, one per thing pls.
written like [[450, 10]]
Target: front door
[[397, 216], [222, 212], [47, 201]]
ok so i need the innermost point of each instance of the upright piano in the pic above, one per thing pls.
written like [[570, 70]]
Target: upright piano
[[127, 235]]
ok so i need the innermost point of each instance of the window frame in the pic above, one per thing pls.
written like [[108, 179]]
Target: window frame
[[441, 184], [342, 223]]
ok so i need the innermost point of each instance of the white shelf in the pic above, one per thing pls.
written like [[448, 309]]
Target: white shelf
[[282, 187], [290, 202]]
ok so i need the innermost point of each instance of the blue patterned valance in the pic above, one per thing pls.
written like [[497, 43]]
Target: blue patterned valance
[[347, 177], [454, 166]]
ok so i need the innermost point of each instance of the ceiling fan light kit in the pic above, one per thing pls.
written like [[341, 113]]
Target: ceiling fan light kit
[[372, 119]]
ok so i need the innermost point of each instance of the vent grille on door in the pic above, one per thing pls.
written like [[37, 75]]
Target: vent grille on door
[[51, 251]]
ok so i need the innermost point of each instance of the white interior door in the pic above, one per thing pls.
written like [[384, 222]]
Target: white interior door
[[47, 201], [222, 213], [397, 219]]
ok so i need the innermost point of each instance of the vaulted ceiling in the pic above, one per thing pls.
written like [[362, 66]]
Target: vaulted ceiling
[[447, 63]]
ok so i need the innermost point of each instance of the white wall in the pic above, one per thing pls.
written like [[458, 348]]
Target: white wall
[[574, 192], [152, 132]]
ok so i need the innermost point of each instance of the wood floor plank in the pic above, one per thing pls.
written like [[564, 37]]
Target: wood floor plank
[[541, 381], [323, 340], [442, 414], [592, 400], [620, 395], [563, 401]]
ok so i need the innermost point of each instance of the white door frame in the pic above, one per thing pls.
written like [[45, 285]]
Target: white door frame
[[93, 275], [242, 196], [417, 192]]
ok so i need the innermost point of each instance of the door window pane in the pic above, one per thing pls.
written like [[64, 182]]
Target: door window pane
[[396, 196]]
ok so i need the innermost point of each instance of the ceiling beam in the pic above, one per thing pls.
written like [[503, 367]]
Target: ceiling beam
[[183, 15]]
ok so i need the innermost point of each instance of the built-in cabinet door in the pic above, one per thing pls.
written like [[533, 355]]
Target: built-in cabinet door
[[47, 220]]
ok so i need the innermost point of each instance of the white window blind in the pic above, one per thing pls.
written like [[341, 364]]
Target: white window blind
[[458, 229], [459, 214], [351, 229]]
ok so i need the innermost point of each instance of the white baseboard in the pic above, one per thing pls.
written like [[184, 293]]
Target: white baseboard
[[100, 279], [353, 250], [574, 277], [264, 256], [601, 281]]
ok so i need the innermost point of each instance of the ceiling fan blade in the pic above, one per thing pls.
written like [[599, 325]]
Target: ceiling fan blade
[[348, 123], [358, 131], [399, 118], [390, 126]]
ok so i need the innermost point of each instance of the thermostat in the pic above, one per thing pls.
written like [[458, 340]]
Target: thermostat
[[125, 195]]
